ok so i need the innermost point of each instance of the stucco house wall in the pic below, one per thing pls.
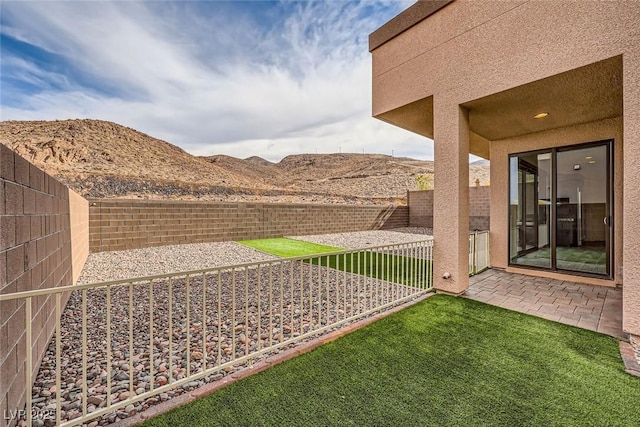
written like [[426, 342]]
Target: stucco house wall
[[467, 71]]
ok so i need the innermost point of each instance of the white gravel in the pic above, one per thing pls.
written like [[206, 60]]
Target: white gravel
[[367, 239], [116, 265]]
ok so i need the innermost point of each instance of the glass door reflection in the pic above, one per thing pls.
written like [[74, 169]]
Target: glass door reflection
[[582, 223]]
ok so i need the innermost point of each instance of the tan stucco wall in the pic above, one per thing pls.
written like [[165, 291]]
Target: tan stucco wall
[[500, 151], [631, 210], [451, 197], [470, 50], [79, 221]]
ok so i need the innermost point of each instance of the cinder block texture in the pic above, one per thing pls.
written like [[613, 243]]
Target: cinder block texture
[[420, 204], [128, 224], [35, 253]]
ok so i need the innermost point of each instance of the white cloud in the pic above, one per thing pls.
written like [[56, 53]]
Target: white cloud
[[215, 80]]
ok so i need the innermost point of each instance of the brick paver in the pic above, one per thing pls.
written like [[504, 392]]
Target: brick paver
[[597, 308]]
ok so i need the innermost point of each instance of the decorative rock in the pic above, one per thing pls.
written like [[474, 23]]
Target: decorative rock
[[118, 388], [196, 355], [161, 380], [71, 406], [121, 377]]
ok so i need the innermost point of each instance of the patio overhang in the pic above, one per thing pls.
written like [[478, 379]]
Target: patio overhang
[[583, 95], [417, 117]]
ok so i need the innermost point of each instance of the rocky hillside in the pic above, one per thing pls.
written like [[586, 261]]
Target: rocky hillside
[[104, 159], [80, 148]]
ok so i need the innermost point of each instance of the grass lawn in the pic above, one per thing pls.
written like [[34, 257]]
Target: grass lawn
[[398, 269], [445, 361], [283, 247]]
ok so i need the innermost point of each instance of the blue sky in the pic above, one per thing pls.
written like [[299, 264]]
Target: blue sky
[[241, 78]]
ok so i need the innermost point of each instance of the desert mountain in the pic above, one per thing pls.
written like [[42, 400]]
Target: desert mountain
[[80, 148], [104, 159]]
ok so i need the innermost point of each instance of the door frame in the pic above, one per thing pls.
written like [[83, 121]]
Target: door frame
[[527, 167]]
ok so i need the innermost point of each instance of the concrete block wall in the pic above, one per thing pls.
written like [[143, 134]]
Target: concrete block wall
[[479, 206], [35, 253], [398, 218], [420, 204], [131, 224]]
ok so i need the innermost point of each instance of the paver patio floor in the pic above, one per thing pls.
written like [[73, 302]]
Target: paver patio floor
[[597, 308]]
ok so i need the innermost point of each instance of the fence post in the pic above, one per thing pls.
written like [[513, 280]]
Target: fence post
[[487, 246], [475, 252]]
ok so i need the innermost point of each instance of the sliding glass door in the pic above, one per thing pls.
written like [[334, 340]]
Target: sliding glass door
[[559, 213], [582, 210]]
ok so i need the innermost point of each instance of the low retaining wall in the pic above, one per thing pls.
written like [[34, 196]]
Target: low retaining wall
[[132, 224], [38, 226], [420, 205]]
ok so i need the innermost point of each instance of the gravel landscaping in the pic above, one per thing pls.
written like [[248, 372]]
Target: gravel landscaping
[[106, 266], [366, 239], [304, 298]]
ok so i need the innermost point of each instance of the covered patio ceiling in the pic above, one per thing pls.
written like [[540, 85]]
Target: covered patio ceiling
[[581, 95]]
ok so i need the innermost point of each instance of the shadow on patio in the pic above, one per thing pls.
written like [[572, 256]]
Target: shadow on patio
[[596, 308]]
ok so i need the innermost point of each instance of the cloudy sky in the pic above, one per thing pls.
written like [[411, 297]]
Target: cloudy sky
[[241, 78]]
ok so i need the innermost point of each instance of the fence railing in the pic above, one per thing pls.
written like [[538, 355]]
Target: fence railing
[[478, 252], [119, 345]]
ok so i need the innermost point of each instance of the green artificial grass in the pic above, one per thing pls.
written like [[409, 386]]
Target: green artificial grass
[[286, 248], [399, 269], [444, 362]]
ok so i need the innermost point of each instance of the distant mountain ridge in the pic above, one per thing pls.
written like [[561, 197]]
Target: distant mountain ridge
[[103, 159]]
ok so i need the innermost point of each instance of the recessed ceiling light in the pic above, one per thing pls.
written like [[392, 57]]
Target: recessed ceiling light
[[588, 158], [592, 161], [540, 115]]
